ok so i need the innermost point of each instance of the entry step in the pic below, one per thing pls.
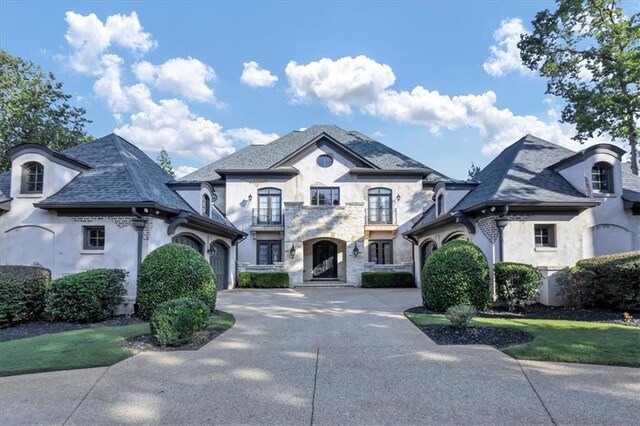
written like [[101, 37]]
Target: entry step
[[313, 284]]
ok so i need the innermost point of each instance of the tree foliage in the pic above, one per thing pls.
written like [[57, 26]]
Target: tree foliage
[[473, 171], [34, 109], [589, 51], [164, 161]]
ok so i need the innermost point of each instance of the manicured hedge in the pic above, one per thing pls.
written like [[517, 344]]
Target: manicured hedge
[[611, 281], [263, 279], [517, 284], [387, 279], [175, 321], [174, 271], [455, 274], [87, 296], [22, 293]]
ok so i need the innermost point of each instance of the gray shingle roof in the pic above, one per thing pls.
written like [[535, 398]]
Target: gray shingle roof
[[119, 173], [267, 156], [521, 173], [630, 184], [5, 185]]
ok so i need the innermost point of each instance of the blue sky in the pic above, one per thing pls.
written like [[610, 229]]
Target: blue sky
[[409, 74]]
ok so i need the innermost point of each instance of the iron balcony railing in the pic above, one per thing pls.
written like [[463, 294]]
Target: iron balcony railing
[[381, 216], [268, 217]]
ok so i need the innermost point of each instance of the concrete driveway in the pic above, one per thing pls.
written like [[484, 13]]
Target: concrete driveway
[[325, 356]]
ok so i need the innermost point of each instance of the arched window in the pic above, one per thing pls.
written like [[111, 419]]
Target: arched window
[[454, 236], [32, 178], [206, 205], [380, 209], [602, 177], [269, 202], [440, 204]]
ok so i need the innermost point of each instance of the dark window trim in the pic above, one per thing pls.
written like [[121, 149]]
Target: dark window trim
[[380, 215], [440, 206], [608, 170], [381, 242], [331, 188], [269, 216], [85, 237], [26, 172], [270, 260], [552, 235], [206, 205]]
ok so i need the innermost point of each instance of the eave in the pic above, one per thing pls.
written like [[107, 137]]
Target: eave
[[387, 172], [288, 171], [54, 156]]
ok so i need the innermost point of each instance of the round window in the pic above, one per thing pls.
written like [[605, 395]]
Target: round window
[[324, 161]]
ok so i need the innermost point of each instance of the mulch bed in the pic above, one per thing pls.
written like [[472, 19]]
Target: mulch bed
[[39, 328], [148, 343], [498, 337], [539, 311]]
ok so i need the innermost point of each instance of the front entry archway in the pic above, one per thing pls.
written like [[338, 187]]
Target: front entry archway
[[325, 260], [219, 260]]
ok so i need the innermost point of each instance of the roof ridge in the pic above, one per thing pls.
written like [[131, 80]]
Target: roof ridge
[[129, 168], [510, 163]]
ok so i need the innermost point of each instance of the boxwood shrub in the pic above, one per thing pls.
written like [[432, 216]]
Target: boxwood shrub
[[387, 279], [22, 293], [456, 274], [517, 284], [174, 271], [175, 321], [263, 279], [611, 281], [87, 296]]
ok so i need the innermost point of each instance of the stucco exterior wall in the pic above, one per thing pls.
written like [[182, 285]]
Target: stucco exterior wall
[[303, 221]]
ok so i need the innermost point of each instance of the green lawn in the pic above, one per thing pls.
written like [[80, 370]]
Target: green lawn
[[90, 347], [563, 341]]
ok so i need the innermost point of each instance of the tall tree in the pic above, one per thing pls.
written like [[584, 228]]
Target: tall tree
[[589, 51], [164, 161], [34, 109], [473, 171]]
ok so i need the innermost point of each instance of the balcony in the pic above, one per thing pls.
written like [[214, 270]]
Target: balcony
[[381, 219], [267, 220]]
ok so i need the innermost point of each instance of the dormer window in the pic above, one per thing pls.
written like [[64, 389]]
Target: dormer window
[[32, 178], [602, 178], [440, 204], [206, 205]]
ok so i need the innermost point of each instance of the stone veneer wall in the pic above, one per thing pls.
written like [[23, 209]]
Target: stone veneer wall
[[344, 223]]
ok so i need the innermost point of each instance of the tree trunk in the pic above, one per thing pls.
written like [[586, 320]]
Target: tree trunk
[[633, 143]]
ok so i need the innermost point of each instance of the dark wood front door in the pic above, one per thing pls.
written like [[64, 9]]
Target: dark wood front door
[[220, 263], [325, 260]]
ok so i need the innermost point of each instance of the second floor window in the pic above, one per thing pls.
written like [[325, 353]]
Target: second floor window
[[269, 202], [380, 206], [325, 196], [32, 178], [440, 204], [206, 205], [601, 178]]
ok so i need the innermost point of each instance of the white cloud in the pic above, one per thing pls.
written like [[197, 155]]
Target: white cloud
[[505, 55], [109, 87], [90, 38], [187, 77], [367, 89], [251, 136], [171, 124], [255, 76], [341, 84], [184, 170]]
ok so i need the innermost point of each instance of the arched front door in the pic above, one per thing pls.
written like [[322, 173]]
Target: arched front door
[[190, 241], [219, 260], [325, 260]]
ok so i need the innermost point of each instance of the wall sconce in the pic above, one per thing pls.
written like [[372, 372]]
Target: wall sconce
[[398, 198], [250, 197], [356, 250], [292, 251]]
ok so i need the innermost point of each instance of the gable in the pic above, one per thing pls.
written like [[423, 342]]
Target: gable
[[323, 146]]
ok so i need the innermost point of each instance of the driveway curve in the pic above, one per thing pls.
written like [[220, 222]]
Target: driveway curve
[[324, 356]]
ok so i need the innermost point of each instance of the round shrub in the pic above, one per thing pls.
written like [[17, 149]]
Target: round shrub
[[175, 321], [456, 274], [174, 271], [517, 284], [88, 296], [22, 293]]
